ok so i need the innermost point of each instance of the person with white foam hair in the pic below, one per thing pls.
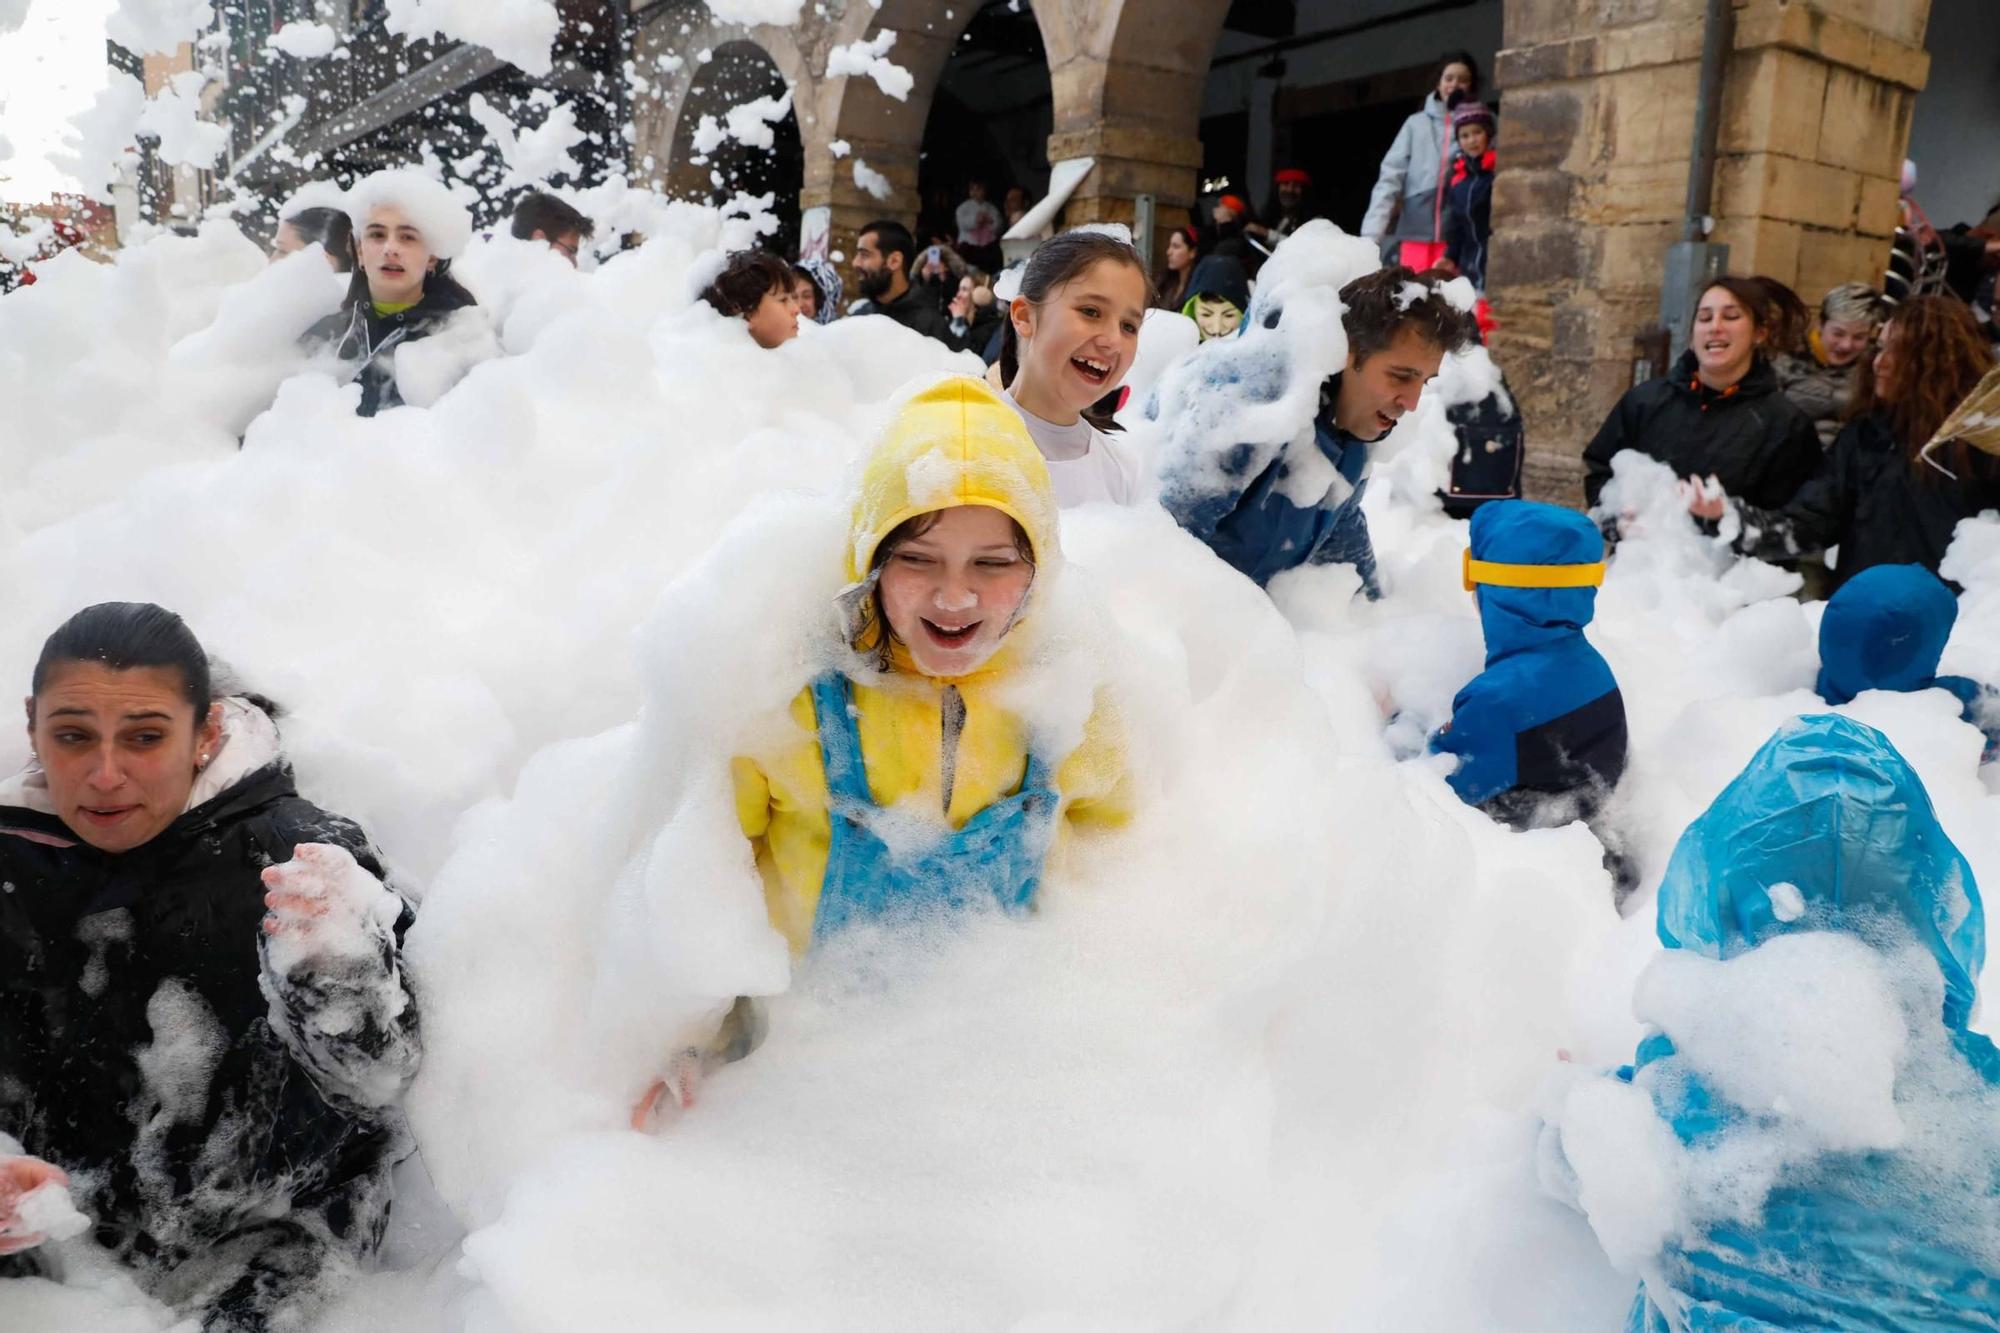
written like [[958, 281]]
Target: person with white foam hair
[[407, 230]]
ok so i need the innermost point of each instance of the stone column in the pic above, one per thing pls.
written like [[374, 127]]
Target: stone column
[[1127, 79], [1599, 105]]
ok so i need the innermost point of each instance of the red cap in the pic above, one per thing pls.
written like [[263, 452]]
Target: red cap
[[1234, 203], [1292, 176]]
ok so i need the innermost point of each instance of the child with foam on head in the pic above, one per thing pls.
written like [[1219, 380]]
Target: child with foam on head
[[1071, 334], [407, 229], [908, 785], [1540, 734]]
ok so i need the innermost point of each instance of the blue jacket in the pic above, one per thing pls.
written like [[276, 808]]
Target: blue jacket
[[1261, 532], [1850, 1240], [1545, 719]]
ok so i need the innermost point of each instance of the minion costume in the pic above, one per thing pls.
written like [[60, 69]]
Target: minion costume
[[869, 740], [1545, 721]]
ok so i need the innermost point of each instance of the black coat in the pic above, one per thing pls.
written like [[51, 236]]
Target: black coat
[[281, 1154], [916, 309], [1751, 436], [359, 336], [1468, 219], [1869, 501]]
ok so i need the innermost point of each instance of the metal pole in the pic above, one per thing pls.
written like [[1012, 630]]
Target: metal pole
[[1694, 261], [1717, 37]]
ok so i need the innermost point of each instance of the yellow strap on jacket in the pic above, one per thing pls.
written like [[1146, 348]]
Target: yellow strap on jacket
[[1531, 576]]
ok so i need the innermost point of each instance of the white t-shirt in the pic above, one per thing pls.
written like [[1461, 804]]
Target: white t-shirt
[[1087, 466]]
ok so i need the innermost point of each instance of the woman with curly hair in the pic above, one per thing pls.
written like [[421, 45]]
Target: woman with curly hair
[[1880, 497]]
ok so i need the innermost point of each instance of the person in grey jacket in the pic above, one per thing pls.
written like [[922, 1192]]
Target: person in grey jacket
[[1823, 385], [1407, 205]]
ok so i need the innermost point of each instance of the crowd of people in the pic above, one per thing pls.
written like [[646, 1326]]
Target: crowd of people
[[172, 898]]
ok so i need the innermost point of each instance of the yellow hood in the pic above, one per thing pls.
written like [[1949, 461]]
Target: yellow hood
[[955, 443]]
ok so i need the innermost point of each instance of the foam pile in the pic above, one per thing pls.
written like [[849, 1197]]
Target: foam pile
[[1272, 1057]]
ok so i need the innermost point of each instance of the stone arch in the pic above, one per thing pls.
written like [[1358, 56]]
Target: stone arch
[[665, 56], [738, 72], [1128, 79], [883, 131]]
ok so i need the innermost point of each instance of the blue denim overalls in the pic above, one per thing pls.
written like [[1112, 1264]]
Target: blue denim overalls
[[997, 857]]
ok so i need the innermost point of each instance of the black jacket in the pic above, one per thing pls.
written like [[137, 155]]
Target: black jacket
[[359, 336], [1869, 501], [260, 1142], [1751, 436], [916, 309], [1468, 219]]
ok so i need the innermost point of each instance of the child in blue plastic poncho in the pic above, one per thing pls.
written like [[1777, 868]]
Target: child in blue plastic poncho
[[1828, 829], [1540, 733], [1885, 629]]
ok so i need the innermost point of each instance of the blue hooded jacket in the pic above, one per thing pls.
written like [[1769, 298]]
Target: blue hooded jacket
[[1885, 629], [1851, 1240], [1545, 719], [1261, 533]]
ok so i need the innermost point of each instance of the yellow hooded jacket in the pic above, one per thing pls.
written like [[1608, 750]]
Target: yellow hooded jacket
[[956, 443]]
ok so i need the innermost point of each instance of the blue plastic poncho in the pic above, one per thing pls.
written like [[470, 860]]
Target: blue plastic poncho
[[1855, 1240]]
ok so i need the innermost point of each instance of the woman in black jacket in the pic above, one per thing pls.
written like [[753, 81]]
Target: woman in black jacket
[[1875, 498], [1719, 412], [203, 1018]]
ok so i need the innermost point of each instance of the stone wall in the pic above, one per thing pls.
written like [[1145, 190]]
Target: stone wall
[[1600, 98]]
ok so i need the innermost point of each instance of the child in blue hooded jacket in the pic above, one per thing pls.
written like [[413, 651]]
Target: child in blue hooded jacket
[[1540, 734], [1885, 629]]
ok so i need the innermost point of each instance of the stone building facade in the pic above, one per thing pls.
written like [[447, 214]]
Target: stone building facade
[[1817, 98], [1600, 106]]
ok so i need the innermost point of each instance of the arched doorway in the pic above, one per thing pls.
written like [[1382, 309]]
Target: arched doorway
[[739, 73], [1324, 86], [990, 117]]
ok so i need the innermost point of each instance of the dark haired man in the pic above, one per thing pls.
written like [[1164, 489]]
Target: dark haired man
[[543, 217], [884, 258], [1251, 504]]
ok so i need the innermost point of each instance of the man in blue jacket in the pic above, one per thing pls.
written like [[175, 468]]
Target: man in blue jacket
[[1540, 734], [1885, 629], [1266, 507]]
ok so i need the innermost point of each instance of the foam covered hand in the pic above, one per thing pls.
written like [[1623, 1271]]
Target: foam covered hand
[[21, 1227], [676, 1091], [323, 905], [1706, 498]]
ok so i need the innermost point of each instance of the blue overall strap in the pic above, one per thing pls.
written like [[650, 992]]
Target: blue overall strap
[[840, 740], [1038, 778]]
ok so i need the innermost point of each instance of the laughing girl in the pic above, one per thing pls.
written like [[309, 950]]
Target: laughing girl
[[1070, 338], [952, 547]]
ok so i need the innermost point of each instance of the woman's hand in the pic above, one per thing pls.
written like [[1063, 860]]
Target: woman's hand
[[323, 903], [678, 1090], [960, 307], [1705, 498], [20, 1177]]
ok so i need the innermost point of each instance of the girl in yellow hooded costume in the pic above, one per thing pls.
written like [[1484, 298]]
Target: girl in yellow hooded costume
[[954, 529]]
